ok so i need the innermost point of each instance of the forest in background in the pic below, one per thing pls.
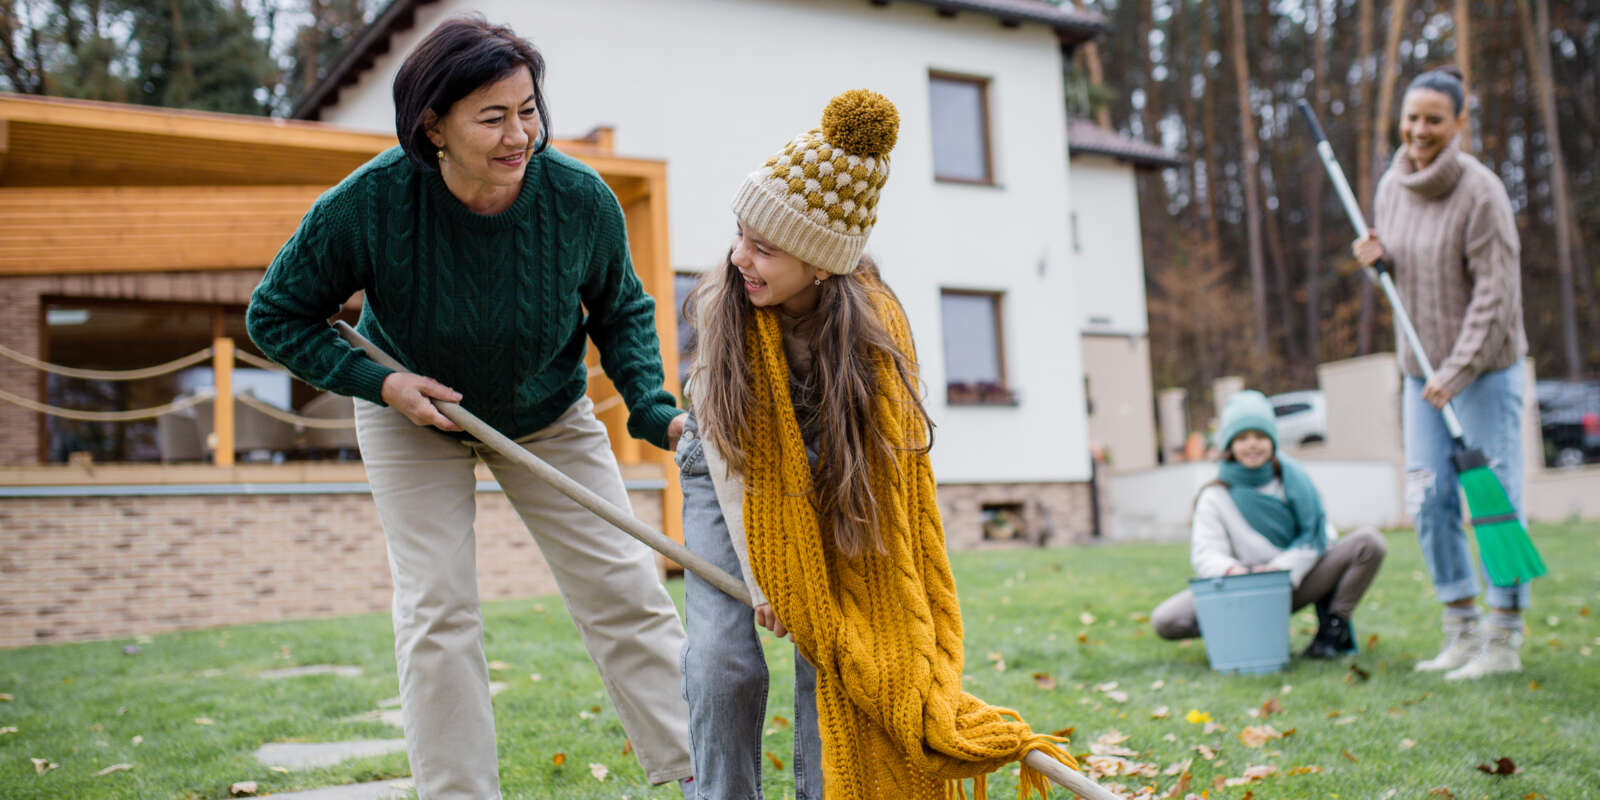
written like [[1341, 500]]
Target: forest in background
[[1246, 249], [1247, 259]]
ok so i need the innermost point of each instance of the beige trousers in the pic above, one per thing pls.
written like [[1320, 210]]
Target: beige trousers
[[423, 484]]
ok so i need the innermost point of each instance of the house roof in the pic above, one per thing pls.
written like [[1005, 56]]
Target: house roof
[[1073, 27], [1085, 137]]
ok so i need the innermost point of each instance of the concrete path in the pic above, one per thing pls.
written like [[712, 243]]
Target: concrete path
[[397, 789], [313, 669], [304, 755]]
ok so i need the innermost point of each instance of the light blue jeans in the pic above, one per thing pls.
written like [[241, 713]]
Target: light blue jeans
[[1490, 410], [724, 669]]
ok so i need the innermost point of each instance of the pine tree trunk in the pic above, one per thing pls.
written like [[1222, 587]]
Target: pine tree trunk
[[1208, 107], [1463, 23], [1364, 138], [1252, 175], [1536, 39], [1313, 188], [1091, 62]]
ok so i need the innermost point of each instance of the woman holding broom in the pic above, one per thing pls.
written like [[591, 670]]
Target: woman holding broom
[[1447, 229], [805, 469], [486, 258]]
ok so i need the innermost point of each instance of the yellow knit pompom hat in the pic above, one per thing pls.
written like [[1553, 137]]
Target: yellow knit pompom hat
[[817, 199]]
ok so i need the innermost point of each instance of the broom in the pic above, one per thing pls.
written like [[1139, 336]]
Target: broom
[[1508, 554]]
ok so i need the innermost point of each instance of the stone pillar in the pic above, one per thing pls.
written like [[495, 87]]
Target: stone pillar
[[1532, 437], [1172, 419], [1363, 396], [1223, 388]]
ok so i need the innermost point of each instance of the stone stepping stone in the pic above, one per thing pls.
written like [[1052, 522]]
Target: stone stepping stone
[[376, 790], [388, 716], [304, 755], [314, 669]]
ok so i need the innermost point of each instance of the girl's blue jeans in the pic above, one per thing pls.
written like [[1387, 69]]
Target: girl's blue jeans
[[1490, 410], [724, 669]]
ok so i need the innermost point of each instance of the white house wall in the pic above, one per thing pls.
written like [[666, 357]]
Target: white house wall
[[714, 87], [1109, 259]]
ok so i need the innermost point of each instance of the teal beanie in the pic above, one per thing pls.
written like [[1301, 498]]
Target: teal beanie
[[1248, 411]]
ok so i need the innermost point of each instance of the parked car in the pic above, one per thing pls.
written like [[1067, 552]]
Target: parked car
[[1302, 416], [1569, 421]]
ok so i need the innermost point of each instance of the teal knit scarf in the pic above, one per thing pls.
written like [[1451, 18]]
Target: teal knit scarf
[[1296, 522]]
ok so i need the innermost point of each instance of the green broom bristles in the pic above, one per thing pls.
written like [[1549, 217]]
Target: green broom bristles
[[1508, 554]]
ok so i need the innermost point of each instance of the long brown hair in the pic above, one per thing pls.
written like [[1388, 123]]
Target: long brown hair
[[851, 343]]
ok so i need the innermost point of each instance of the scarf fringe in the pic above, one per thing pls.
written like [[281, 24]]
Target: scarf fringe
[[1029, 781]]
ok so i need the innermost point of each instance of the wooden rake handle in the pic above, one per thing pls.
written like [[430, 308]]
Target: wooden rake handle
[[1063, 775]]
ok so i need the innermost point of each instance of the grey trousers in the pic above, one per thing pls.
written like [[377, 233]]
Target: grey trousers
[[1344, 572], [424, 486]]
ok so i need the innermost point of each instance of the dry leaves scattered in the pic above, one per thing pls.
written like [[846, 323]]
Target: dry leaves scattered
[[1254, 736], [1252, 774], [558, 759], [1044, 681], [114, 768], [1502, 766], [43, 765], [598, 771], [1161, 712], [1196, 716], [242, 789]]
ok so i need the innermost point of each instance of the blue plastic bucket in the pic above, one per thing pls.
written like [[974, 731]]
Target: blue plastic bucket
[[1245, 620]]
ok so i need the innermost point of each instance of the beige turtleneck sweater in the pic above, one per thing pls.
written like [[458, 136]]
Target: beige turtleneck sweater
[[1448, 231]]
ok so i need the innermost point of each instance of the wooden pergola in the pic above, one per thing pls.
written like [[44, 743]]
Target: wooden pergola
[[104, 190]]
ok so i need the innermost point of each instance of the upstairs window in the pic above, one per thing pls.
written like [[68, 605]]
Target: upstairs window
[[960, 109]]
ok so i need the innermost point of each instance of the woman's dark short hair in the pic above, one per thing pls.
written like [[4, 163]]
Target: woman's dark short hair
[[458, 58], [1446, 80]]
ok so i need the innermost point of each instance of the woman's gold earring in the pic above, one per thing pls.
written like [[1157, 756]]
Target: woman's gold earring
[[441, 155], [816, 281]]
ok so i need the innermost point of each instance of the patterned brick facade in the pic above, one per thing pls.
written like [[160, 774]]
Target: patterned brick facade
[[80, 568], [1059, 513]]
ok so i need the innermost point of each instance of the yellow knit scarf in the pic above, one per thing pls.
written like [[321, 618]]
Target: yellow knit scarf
[[883, 629]]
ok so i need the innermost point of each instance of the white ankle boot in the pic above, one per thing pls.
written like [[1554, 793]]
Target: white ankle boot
[[1499, 654], [1461, 642]]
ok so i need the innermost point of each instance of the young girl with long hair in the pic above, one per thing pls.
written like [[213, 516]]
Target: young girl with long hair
[[805, 470]]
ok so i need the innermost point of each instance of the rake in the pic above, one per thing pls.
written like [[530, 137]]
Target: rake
[[1063, 775], [1508, 554]]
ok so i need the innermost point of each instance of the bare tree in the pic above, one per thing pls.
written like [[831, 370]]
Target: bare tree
[[1536, 39], [1462, 19], [1313, 189], [1252, 178], [1364, 155]]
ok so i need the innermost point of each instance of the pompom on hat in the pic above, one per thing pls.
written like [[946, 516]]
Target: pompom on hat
[[817, 199]]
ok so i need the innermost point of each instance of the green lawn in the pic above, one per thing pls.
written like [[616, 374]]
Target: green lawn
[[1074, 615]]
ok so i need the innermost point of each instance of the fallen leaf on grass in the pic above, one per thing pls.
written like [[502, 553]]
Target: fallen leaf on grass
[[1086, 618], [1372, 641], [7, 729], [1309, 770], [1177, 767], [204, 721], [1503, 766], [1180, 788], [1441, 791], [1352, 758], [242, 789], [1533, 685], [499, 666], [598, 771], [1118, 695], [627, 747], [1160, 713], [1252, 774], [1083, 637], [283, 770], [1249, 795], [1254, 736], [777, 763], [5, 698], [1196, 716], [999, 662], [558, 759], [1213, 727], [779, 722], [1065, 733], [1171, 737], [1155, 686], [1536, 795], [1270, 707], [1407, 744], [1205, 752], [1044, 681], [1356, 675], [1105, 687], [43, 765], [1110, 744], [137, 740], [585, 714], [114, 768], [535, 677]]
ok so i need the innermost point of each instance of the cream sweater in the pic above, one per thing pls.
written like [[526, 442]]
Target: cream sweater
[[1221, 538], [1448, 232]]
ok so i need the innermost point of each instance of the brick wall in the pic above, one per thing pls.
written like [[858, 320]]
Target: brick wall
[[80, 568], [1059, 511], [21, 316]]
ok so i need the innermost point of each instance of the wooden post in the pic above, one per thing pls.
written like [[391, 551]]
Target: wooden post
[[222, 405]]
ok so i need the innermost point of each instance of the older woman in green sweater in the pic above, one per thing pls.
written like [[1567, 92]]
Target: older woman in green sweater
[[1447, 229], [486, 259]]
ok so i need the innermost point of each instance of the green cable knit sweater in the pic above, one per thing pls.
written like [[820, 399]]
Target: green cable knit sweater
[[496, 307]]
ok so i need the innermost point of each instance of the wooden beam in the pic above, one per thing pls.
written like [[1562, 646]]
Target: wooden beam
[[53, 231], [5, 144], [222, 406]]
